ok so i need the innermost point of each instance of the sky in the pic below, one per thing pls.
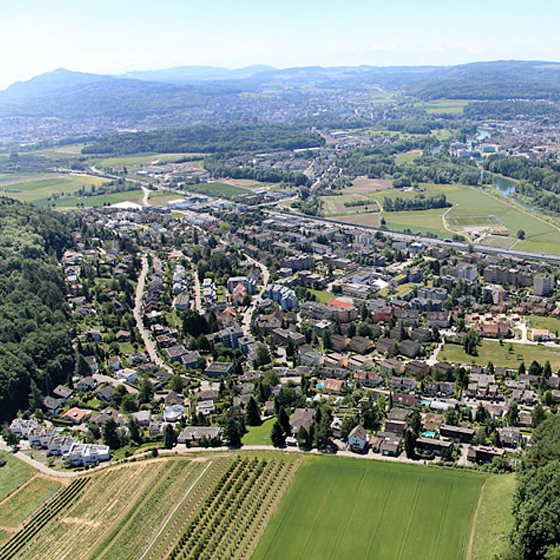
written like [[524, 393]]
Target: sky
[[116, 36]]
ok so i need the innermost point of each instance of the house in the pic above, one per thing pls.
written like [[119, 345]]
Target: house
[[174, 353], [92, 364], [219, 369], [114, 362], [433, 446], [173, 413], [459, 434], [52, 405], [190, 359], [358, 439], [302, 417], [482, 454], [395, 427], [128, 375], [122, 336], [361, 345], [63, 392], [409, 401], [333, 385], [409, 348], [368, 378], [386, 346], [390, 448], [93, 335], [86, 384], [143, 417], [105, 393], [196, 434], [75, 415]]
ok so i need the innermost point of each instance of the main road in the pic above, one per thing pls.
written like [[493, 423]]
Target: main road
[[148, 342]]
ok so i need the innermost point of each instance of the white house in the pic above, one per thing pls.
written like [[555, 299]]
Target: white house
[[357, 439]]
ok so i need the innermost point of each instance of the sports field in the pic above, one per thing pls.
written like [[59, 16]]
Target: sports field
[[349, 508]]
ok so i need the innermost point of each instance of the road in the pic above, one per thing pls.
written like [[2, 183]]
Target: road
[[265, 276], [399, 236], [148, 342]]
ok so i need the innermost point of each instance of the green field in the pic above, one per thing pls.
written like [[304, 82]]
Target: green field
[[472, 207], [550, 323], [342, 508], [13, 474], [439, 106], [408, 157], [217, 189], [499, 241], [140, 160], [41, 192], [259, 435], [26, 500], [322, 296], [495, 518], [500, 356], [135, 195]]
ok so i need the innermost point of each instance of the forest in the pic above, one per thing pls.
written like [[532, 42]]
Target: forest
[[229, 140], [419, 202], [35, 323]]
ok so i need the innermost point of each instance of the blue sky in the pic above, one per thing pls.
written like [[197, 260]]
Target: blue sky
[[120, 35]]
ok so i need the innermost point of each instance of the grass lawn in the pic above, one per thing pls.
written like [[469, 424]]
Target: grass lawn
[[322, 296], [160, 199], [259, 435], [217, 189], [41, 192], [26, 500], [495, 520], [13, 474], [342, 508], [550, 323], [408, 157], [4, 537], [491, 350]]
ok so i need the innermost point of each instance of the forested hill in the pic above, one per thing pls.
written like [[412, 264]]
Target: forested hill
[[208, 139], [35, 321]]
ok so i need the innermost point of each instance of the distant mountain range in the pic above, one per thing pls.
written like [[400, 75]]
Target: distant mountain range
[[67, 94]]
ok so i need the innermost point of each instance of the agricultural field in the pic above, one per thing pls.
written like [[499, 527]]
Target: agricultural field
[[135, 195], [48, 191], [161, 198], [26, 499], [443, 106], [408, 157], [335, 205], [137, 161], [217, 189], [499, 241], [159, 509], [13, 474], [349, 508], [473, 210], [509, 355]]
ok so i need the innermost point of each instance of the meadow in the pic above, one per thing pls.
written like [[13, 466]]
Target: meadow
[[217, 189], [472, 208], [509, 355], [13, 474], [443, 106], [348, 508], [48, 191]]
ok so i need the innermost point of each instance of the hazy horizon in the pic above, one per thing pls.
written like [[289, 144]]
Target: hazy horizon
[[115, 38]]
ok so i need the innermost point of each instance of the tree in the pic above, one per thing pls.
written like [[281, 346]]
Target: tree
[[303, 437], [414, 422], [110, 434], [176, 383], [512, 415], [169, 437], [134, 432], [536, 512], [9, 438], [409, 444], [129, 403], [481, 414], [520, 234], [538, 415], [81, 369], [284, 420], [277, 435], [348, 424], [234, 428], [146, 392], [253, 413]]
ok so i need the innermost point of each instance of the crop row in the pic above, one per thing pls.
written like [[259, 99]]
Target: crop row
[[220, 468], [231, 517], [61, 501]]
